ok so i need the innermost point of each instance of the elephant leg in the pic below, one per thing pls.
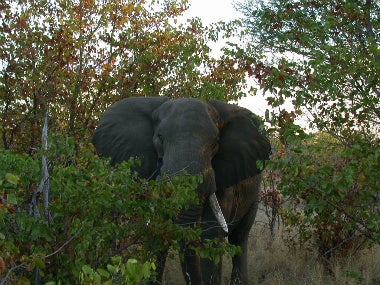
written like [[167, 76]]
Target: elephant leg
[[198, 270], [160, 266], [239, 236], [191, 266], [211, 272]]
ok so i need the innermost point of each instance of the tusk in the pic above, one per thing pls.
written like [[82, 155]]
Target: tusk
[[218, 212]]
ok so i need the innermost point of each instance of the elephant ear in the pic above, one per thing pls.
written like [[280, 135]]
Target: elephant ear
[[126, 130], [241, 145]]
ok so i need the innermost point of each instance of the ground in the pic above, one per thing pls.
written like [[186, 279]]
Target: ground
[[271, 262]]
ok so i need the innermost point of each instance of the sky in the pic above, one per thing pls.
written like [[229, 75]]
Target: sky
[[211, 11]]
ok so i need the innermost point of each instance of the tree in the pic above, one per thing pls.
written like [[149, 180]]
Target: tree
[[71, 59], [76, 57], [323, 59]]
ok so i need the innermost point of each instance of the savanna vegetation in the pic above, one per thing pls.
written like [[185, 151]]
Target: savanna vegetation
[[66, 216]]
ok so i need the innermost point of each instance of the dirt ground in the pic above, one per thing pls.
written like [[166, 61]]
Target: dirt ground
[[271, 262], [173, 272]]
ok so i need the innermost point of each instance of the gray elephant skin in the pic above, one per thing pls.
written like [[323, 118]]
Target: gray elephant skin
[[218, 140]]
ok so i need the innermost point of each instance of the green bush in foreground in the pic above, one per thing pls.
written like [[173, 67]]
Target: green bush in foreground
[[106, 225]]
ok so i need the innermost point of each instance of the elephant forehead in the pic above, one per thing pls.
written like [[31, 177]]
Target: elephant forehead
[[188, 105], [185, 114]]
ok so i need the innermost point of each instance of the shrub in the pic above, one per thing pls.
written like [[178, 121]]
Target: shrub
[[331, 191], [98, 212]]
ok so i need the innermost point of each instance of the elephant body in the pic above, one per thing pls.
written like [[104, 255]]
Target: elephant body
[[218, 140]]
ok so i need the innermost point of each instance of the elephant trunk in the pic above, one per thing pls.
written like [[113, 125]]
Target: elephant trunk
[[206, 191]]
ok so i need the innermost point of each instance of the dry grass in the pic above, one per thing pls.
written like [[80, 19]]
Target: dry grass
[[271, 262]]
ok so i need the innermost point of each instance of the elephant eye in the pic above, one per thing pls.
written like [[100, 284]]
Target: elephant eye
[[160, 138]]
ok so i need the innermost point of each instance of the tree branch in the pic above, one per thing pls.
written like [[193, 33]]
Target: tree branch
[[62, 246], [4, 280]]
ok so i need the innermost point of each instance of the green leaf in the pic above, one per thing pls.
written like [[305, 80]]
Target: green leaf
[[153, 265], [112, 269], [104, 273], [39, 262], [87, 270], [216, 259], [260, 164], [116, 259], [11, 178], [11, 199]]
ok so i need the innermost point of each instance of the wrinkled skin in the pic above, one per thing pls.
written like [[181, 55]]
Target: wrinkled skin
[[220, 141]]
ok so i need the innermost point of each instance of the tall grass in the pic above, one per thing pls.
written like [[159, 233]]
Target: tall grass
[[273, 262]]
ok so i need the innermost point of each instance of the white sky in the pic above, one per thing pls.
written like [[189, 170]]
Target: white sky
[[211, 11]]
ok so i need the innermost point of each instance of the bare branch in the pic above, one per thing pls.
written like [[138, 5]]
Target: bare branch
[[4, 280], [44, 186], [62, 246]]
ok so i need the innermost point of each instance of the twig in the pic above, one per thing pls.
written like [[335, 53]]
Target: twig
[[4, 280], [62, 246]]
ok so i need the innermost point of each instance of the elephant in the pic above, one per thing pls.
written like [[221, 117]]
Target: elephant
[[221, 141]]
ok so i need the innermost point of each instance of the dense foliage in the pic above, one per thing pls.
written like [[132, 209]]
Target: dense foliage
[[316, 61], [76, 57], [98, 212], [319, 61], [69, 60]]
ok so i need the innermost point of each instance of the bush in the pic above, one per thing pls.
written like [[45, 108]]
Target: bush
[[105, 224], [331, 193], [98, 212]]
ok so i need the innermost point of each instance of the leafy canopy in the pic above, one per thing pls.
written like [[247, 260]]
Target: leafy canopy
[[324, 56], [319, 61], [71, 59], [76, 57]]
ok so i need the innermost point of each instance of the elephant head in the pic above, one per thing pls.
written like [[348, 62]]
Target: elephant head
[[218, 140]]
